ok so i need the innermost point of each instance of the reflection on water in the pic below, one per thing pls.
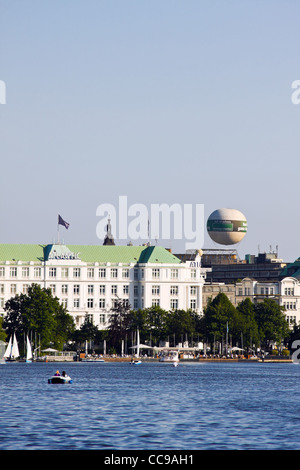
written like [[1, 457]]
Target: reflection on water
[[150, 406]]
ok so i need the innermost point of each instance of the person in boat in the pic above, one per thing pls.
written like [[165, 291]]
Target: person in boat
[[64, 373], [57, 373]]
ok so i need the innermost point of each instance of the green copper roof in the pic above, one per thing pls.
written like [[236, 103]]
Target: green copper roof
[[21, 252], [124, 254], [90, 253]]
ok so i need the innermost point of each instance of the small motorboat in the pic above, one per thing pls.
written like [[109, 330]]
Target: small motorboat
[[60, 379], [135, 363]]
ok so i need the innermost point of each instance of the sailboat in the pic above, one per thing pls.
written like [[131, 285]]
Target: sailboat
[[12, 350], [28, 350]]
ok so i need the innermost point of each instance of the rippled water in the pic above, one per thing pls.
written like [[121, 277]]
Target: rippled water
[[150, 406]]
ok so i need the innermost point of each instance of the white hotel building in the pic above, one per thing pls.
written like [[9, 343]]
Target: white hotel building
[[89, 279]]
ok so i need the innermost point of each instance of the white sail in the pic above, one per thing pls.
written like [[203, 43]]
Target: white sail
[[15, 348], [28, 350], [7, 353]]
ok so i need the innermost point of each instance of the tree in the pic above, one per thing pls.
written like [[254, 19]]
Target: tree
[[271, 321], [38, 310], [88, 331], [119, 322], [157, 323], [219, 315], [249, 325], [181, 323]]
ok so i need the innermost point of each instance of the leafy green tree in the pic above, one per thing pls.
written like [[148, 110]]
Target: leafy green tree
[[219, 314], [271, 321], [3, 335], [119, 322], [39, 311], [181, 323], [249, 328], [157, 323], [88, 331]]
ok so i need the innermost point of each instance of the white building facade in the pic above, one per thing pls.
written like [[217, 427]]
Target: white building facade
[[285, 292], [88, 280]]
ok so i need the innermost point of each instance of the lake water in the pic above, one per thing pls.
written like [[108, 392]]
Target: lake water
[[150, 406]]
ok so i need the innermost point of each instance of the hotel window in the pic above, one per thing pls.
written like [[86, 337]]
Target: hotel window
[[37, 272], [114, 290], [64, 273], [135, 303], [90, 273], [101, 303], [102, 289], [102, 273], [25, 272], [52, 288], [114, 303], [193, 290], [125, 273], [76, 303], [126, 290], [136, 290], [25, 288], [90, 303], [174, 273], [155, 290], [52, 272], [76, 272], [1, 288], [64, 303], [13, 288], [114, 273], [193, 304], [240, 291], [155, 302], [1, 303], [174, 290], [136, 274], [174, 304], [155, 273], [13, 272], [271, 291], [64, 289], [262, 290], [101, 318], [193, 273], [90, 289], [2, 272], [76, 289]]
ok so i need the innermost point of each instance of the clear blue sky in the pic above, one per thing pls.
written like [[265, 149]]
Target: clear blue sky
[[160, 100]]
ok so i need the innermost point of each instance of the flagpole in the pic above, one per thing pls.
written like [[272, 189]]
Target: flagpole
[[58, 233]]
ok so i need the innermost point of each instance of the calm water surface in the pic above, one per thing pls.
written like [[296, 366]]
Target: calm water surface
[[150, 406]]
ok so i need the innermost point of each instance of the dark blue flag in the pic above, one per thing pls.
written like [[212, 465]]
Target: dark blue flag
[[62, 222]]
